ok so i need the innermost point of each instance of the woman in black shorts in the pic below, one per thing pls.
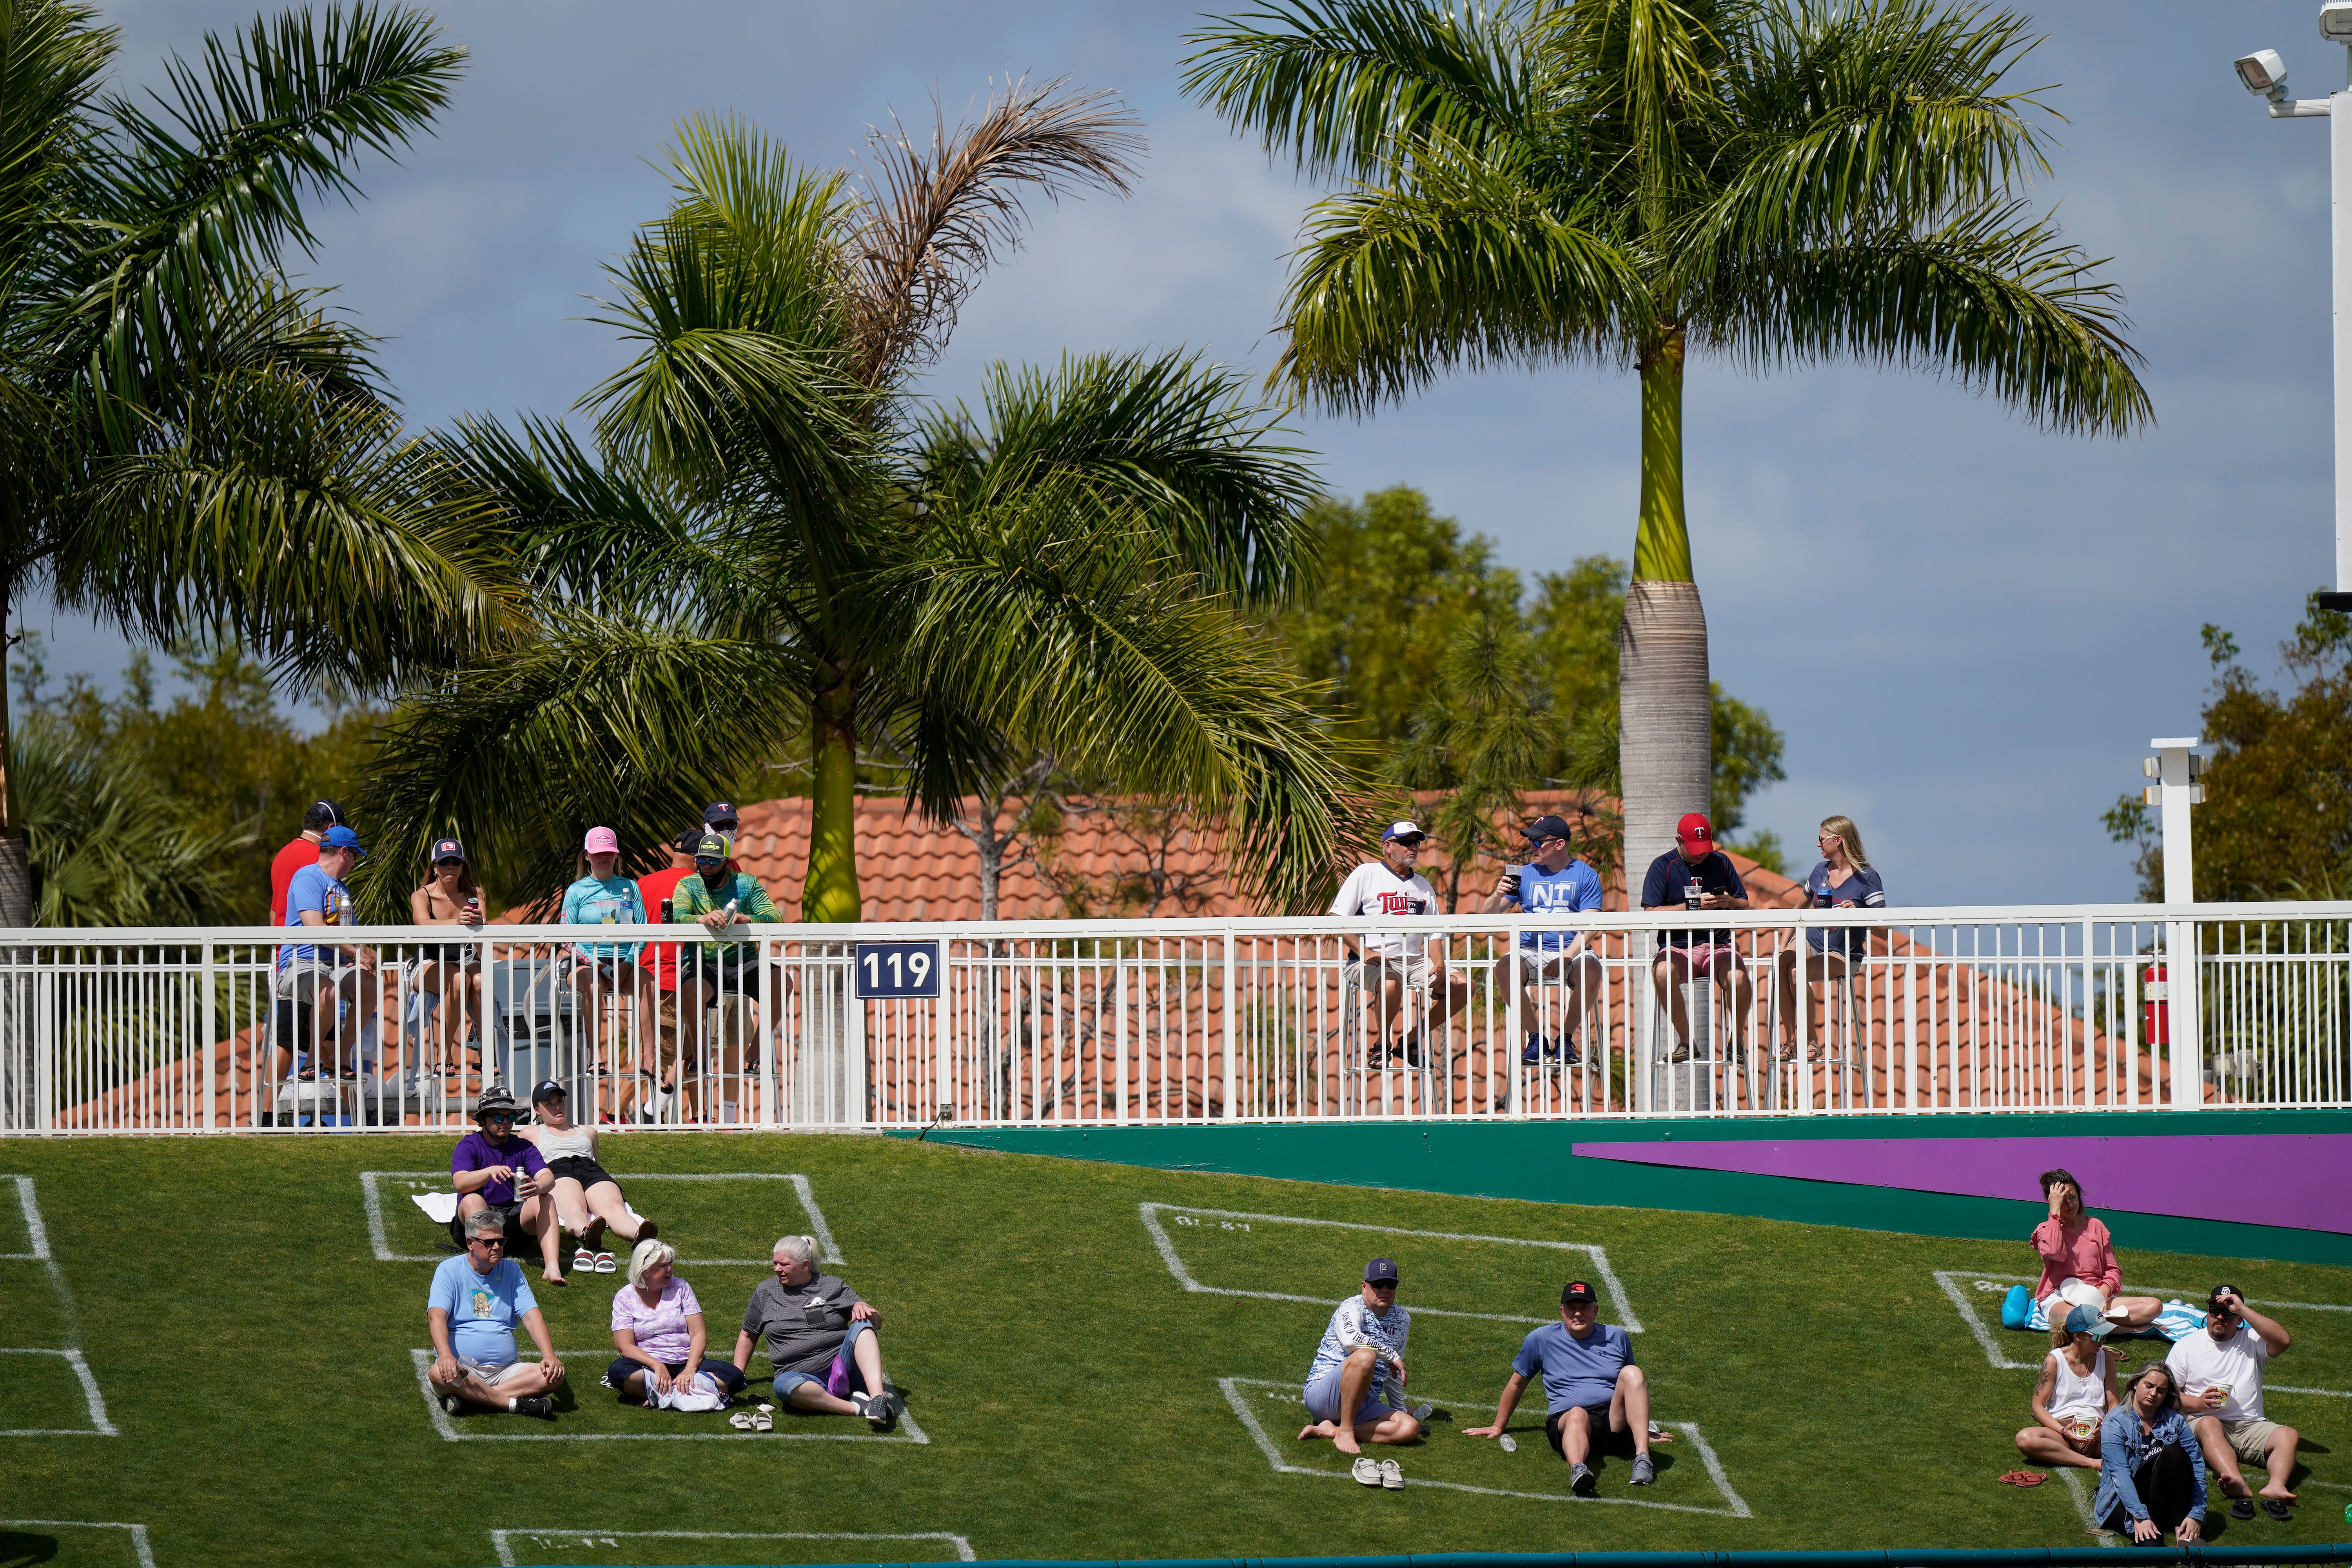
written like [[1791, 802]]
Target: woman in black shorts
[[587, 1199], [448, 896]]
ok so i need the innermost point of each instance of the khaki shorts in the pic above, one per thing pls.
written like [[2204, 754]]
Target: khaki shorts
[[491, 1373], [2251, 1438]]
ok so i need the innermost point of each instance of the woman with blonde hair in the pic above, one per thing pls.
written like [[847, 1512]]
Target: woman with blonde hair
[[1843, 878], [657, 1328]]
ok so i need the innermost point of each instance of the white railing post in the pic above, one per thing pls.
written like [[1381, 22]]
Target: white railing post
[[211, 1035], [2184, 1025], [1232, 1025]]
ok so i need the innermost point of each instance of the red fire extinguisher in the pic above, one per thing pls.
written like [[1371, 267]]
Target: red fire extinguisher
[[2155, 1018]]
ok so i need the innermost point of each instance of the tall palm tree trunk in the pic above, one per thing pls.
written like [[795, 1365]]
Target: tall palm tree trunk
[[1662, 642], [830, 894], [16, 859]]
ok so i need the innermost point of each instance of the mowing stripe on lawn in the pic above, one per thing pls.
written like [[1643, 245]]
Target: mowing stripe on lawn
[[138, 1532], [1949, 1279], [907, 1432], [827, 1250], [1598, 1255], [1232, 1388], [502, 1539]]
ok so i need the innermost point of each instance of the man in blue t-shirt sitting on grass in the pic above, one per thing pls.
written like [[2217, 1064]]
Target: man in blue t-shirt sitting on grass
[[1595, 1392], [471, 1312]]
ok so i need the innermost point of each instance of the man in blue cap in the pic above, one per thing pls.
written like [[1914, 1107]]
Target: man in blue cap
[[1554, 881], [1356, 1369], [317, 974]]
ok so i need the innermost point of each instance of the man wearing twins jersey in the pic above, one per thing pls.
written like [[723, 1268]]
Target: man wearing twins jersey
[[1358, 1374], [1390, 886], [1553, 882]]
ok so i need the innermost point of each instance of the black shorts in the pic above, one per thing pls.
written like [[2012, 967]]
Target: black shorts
[[451, 953], [510, 1213], [733, 970], [581, 1169], [1596, 1429]]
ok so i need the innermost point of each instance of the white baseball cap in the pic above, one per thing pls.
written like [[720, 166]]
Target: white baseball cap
[[1401, 830]]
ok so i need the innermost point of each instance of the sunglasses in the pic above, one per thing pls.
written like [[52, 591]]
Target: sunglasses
[[1382, 1284], [500, 1116], [450, 860], [707, 864], [1410, 843], [488, 1241]]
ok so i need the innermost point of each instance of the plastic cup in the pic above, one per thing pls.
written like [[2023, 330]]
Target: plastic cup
[[1511, 1446]]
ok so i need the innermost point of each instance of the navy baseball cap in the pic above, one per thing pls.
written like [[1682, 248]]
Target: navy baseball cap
[[1578, 1290], [548, 1090], [448, 849], [342, 837], [717, 812], [1380, 1271], [1544, 827]]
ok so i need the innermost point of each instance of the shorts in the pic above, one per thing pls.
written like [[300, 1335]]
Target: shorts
[[2251, 1438], [726, 1373], [1596, 1432], [1539, 966], [448, 953], [2074, 1293], [304, 978], [733, 969], [581, 1169], [607, 970], [492, 1373], [1412, 968], [841, 1379], [1689, 963], [1322, 1395], [511, 1213]]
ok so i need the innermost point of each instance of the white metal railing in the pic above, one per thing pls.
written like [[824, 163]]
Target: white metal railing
[[1125, 1021]]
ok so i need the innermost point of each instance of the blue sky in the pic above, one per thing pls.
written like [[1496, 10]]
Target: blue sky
[[1969, 630]]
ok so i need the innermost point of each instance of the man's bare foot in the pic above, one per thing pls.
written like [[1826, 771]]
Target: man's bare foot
[[554, 1276], [1344, 1440], [2279, 1491], [2234, 1486], [1317, 1429]]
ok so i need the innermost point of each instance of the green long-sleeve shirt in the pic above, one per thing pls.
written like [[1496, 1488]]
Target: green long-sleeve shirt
[[693, 898]]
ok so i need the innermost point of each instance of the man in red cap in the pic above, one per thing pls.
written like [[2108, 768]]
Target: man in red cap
[[1696, 876]]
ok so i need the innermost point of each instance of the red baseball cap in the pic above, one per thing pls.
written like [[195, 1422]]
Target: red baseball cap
[[1692, 831]]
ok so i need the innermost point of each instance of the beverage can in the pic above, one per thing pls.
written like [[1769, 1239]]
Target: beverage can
[[1511, 886], [667, 909]]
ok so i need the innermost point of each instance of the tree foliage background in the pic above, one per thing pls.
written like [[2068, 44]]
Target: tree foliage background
[[2277, 817]]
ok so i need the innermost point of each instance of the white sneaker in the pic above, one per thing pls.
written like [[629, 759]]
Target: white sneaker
[[605, 1264], [1392, 1475], [1367, 1470]]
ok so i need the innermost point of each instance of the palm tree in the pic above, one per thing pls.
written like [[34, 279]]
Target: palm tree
[[187, 444], [771, 534], [1621, 181]]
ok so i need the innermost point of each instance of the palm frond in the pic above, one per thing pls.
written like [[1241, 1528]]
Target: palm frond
[[1094, 646], [937, 215], [1163, 438], [107, 846], [310, 529], [1470, 265], [1340, 87], [52, 57], [179, 206], [2001, 306]]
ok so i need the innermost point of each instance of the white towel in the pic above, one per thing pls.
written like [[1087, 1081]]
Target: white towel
[[703, 1394], [441, 1207]]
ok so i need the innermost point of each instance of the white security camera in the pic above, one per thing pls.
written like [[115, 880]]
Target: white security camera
[[2336, 21], [2264, 73]]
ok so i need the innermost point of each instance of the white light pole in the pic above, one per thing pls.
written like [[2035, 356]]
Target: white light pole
[[2176, 767], [2265, 75]]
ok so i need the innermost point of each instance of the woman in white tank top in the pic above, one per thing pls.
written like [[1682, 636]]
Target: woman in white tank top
[[587, 1199], [2072, 1396]]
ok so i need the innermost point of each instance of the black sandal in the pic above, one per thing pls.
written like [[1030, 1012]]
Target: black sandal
[[2242, 1508], [2278, 1510]]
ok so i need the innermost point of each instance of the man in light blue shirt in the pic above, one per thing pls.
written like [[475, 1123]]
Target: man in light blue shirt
[[1555, 881], [471, 1312], [319, 976], [1595, 1393]]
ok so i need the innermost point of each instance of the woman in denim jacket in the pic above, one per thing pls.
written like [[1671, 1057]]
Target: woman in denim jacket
[[2151, 1472]]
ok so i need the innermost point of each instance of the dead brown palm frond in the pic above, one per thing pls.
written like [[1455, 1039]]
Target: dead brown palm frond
[[935, 216]]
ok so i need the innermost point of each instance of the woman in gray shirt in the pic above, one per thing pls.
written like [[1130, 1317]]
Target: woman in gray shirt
[[821, 1338]]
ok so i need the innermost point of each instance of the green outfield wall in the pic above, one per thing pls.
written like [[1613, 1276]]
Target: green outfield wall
[[1539, 1162]]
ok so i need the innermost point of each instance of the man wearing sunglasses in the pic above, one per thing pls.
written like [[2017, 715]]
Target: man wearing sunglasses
[[499, 1174], [1358, 1371], [2219, 1374], [475, 1304]]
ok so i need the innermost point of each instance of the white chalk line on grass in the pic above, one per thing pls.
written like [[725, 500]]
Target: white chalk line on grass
[[138, 1532], [1597, 1256], [99, 1426], [827, 1250], [503, 1539], [1232, 1388], [1949, 1279], [36, 1232], [908, 1430]]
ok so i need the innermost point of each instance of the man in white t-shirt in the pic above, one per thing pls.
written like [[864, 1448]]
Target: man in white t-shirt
[[1395, 960], [2219, 1373]]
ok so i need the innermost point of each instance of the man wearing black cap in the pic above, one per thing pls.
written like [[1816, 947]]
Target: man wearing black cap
[[1595, 1392], [1554, 881], [2219, 1374], [1359, 1364]]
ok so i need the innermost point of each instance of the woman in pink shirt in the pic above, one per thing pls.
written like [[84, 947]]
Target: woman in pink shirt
[[657, 1328], [2078, 1260]]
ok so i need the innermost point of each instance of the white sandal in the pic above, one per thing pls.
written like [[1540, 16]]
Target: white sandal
[[741, 1421], [762, 1420]]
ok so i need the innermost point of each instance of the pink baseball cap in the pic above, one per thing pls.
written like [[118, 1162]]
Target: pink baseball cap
[[603, 841]]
